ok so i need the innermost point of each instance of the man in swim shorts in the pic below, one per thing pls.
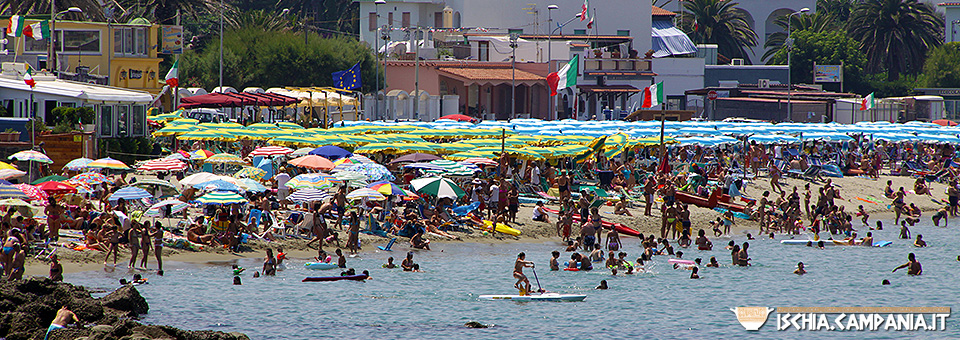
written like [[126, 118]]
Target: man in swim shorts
[[912, 265], [518, 273], [63, 318]]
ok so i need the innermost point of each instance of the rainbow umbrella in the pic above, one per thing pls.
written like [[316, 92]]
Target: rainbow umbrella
[[32, 193], [386, 188], [90, 178], [108, 163], [77, 164], [366, 193], [315, 181], [200, 154], [30, 155], [225, 158], [250, 172], [221, 198]]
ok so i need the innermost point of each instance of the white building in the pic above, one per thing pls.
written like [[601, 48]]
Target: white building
[[951, 30]]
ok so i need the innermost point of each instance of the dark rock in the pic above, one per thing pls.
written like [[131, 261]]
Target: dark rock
[[474, 324], [126, 299]]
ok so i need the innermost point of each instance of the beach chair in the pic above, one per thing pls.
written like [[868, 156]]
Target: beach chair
[[389, 245], [256, 216], [373, 227], [293, 220], [279, 229]]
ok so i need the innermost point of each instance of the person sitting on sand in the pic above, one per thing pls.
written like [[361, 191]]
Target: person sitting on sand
[[912, 265], [888, 191], [920, 243], [418, 242], [800, 270], [920, 187], [621, 207], [540, 214], [56, 269]]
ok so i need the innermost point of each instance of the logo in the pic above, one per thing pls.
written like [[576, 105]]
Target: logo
[[752, 318]]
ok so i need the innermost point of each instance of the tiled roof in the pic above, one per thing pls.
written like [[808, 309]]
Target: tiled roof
[[657, 11], [477, 73], [949, 4]]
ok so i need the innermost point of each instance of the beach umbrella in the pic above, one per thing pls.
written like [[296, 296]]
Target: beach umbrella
[[56, 188], [179, 155], [460, 118], [315, 180], [221, 198], [30, 155], [13, 202], [263, 126], [77, 164], [4, 166], [312, 162], [331, 152], [309, 195], [185, 121], [48, 179], [153, 182], [288, 125], [218, 185], [252, 185], [480, 161], [366, 193], [209, 135], [90, 178], [386, 188], [162, 164], [129, 194], [250, 172], [175, 205], [349, 176], [108, 163], [271, 151], [373, 172], [409, 195], [301, 152], [29, 192], [11, 173], [200, 154], [176, 130], [437, 186], [197, 178], [82, 188], [225, 158]]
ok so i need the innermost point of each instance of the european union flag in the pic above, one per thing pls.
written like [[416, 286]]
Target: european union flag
[[349, 79]]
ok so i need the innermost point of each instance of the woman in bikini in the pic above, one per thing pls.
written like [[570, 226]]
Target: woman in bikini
[[157, 235]]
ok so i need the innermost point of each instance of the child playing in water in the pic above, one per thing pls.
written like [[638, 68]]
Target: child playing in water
[[341, 260], [554, 261], [694, 274], [713, 262], [389, 264], [904, 231], [863, 215], [800, 270]]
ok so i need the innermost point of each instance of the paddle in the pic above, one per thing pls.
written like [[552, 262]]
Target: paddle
[[536, 278]]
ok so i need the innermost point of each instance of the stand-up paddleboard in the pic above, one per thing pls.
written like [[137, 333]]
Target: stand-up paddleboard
[[503, 228], [389, 245], [552, 297], [360, 277], [320, 265]]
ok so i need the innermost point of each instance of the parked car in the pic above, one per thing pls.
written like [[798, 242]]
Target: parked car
[[207, 115]]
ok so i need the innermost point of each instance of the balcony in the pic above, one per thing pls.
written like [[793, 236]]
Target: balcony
[[617, 67]]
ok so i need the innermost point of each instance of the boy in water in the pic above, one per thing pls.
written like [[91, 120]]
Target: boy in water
[[912, 265], [555, 261], [904, 231], [864, 216], [390, 264], [518, 273], [920, 243], [800, 270]]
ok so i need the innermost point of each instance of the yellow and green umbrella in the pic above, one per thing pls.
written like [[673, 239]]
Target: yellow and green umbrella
[[263, 126], [185, 121], [212, 135], [289, 125], [225, 158], [176, 130]]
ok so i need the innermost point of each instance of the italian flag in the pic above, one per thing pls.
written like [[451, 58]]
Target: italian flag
[[566, 77], [867, 102], [171, 77], [38, 31], [28, 77], [15, 28], [585, 11], [653, 95]]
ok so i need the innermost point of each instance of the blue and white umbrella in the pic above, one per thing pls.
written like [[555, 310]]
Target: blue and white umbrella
[[373, 172], [218, 185], [309, 195], [251, 185], [130, 194]]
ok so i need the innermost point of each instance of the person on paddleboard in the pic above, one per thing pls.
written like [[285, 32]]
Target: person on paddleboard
[[518, 273]]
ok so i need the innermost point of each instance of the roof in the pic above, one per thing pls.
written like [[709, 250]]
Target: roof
[[83, 91], [771, 100], [657, 11], [949, 4], [474, 74], [619, 73], [608, 88], [575, 37]]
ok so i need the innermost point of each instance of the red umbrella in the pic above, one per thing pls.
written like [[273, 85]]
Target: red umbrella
[[54, 187], [945, 122], [459, 117]]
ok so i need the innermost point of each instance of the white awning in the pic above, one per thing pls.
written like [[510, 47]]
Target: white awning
[[87, 92], [670, 41]]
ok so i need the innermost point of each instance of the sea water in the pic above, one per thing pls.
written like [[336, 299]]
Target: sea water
[[662, 304]]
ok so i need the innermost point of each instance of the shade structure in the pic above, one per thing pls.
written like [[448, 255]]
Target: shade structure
[[175, 205], [56, 188], [252, 185], [366, 193], [386, 188], [153, 182], [11, 173], [437, 186], [90, 178], [315, 181], [271, 151], [200, 154], [162, 164], [77, 164], [480, 161], [460, 117], [250, 172], [209, 135], [179, 155], [172, 130], [30, 155], [13, 202], [331, 152], [221, 198], [10, 191], [48, 179], [108, 163], [218, 185], [373, 172], [415, 157], [225, 158], [30, 192], [312, 162], [301, 152], [309, 195], [217, 100], [129, 194], [198, 178]]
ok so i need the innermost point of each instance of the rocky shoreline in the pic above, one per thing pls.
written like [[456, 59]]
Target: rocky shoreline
[[28, 306]]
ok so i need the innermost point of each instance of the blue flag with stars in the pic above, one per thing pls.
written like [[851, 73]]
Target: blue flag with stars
[[349, 79]]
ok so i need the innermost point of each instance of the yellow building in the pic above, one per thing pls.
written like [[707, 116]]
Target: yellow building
[[120, 55]]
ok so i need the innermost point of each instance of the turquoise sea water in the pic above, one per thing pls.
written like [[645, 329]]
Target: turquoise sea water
[[664, 304]]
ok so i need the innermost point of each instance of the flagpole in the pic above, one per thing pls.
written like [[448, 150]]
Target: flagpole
[[33, 128]]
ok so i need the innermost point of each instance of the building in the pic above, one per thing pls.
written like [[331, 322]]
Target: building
[[951, 11], [119, 55], [769, 102], [951, 100]]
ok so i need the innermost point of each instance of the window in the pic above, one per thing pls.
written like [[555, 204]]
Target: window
[[405, 19], [390, 19], [438, 19], [623, 33], [78, 41], [130, 41], [579, 32], [483, 51], [138, 121], [106, 121], [123, 120], [372, 22]]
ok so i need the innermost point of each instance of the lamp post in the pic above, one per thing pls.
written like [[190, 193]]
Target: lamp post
[[376, 53], [514, 36], [550, 9], [416, 70], [53, 34], [221, 46], [789, 76]]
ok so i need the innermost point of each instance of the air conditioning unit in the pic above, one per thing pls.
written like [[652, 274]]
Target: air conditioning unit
[[736, 62]]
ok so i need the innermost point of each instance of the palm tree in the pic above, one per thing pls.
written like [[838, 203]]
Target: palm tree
[[91, 8], [166, 11], [895, 34], [818, 22], [719, 22]]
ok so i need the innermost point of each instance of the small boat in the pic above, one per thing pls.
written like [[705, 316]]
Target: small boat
[[320, 265], [360, 277], [552, 297]]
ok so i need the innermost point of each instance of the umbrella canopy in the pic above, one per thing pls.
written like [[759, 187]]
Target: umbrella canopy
[[198, 178], [252, 185], [480, 161], [108, 163], [415, 157], [130, 194], [200, 154], [30, 155], [316, 181], [331, 152], [301, 152], [309, 195], [57, 188], [90, 178], [218, 185], [373, 172], [225, 158], [221, 198], [30, 192], [944, 122], [312, 162], [250, 172], [271, 151], [460, 118], [10, 191], [11, 173], [175, 205], [437, 186], [48, 179], [386, 188], [162, 164], [13, 202], [77, 164], [367, 193]]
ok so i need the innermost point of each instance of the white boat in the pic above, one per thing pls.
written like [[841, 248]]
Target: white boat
[[555, 297]]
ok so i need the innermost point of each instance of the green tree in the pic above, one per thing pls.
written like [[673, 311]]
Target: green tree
[[719, 22], [839, 10], [942, 68], [91, 8], [824, 48], [817, 22], [895, 35]]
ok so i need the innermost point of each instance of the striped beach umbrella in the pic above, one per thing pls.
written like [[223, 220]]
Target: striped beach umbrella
[[108, 163], [367, 193], [263, 126], [56, 188], [153, 182], [209, 134], [221, 198], [176, 130], [250, 172], [309, 195], [480, 161], [77, 164], [437, 186], [175, 205], [30, 155], [129, 194], [32, 193], [11, 173], [252, 185], [386, 188], [271, 151], [10, 191], [162, 164], [315, 181], [225, 158], [90, 178], [13, 202]]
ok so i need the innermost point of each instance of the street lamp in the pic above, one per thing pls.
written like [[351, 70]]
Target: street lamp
[[514, 36], [221, 46], [551, 114], [376, 51], [53, 37], [789, 43]]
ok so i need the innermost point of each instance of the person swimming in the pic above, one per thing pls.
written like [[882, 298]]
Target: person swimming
[[603, 284], [800, 270], [713, 262], [389, 264], [695, 273], [912, 265]]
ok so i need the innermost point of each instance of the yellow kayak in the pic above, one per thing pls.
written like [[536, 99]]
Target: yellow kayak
[[503, 228]]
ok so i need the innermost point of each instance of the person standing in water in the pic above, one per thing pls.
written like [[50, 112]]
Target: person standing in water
[[912, 265], [518, 273]]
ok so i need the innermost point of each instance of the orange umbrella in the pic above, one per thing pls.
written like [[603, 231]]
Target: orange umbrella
[[945, 122], [312, 162]]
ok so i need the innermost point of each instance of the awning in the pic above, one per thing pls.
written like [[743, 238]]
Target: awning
[[217, 100], [669, 41], [608, 88], [493, 76]]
